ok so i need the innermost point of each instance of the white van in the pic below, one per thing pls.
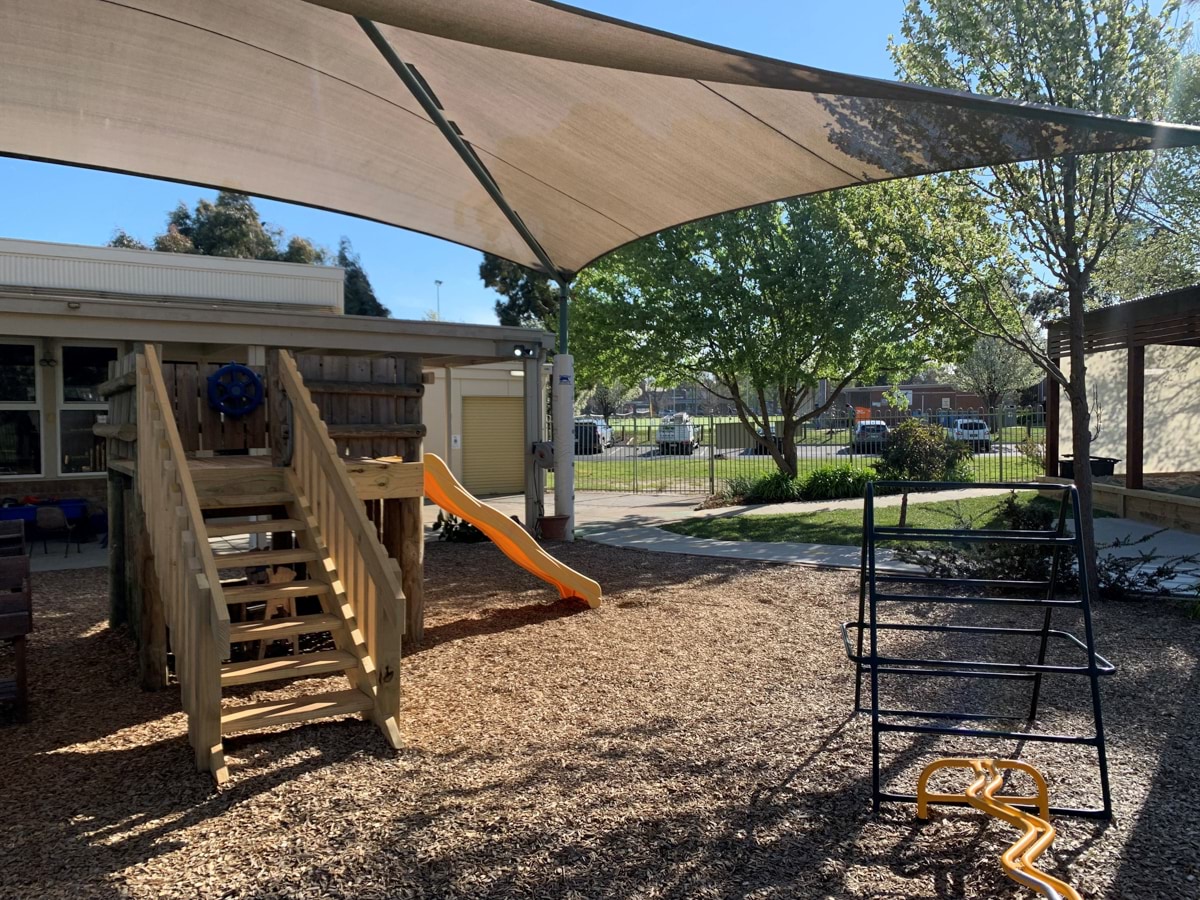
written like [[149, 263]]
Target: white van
[[677, 434]]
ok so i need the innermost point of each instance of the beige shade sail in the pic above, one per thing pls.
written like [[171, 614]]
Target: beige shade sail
[[596, 132]]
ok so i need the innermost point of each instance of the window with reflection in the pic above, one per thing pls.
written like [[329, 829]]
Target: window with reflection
[[84, 369], [18, 373], [20, 442]]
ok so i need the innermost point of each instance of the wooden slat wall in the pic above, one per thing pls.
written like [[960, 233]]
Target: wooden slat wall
[[202, 428], [341, 408]]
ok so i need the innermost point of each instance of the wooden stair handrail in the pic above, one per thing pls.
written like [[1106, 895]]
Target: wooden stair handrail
[[306, 416], [191, 503], [369, 577]]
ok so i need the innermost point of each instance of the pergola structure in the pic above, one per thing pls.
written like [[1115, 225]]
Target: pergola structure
[[1169, 318], [541, 133]]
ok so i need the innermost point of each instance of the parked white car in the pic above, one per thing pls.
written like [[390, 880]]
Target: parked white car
[[974, 432], [677, 434]]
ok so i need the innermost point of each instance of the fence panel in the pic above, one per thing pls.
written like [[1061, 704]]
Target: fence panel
[[633, 459]]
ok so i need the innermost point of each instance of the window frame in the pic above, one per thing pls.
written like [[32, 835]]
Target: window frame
[[36, 405], [63, 405]]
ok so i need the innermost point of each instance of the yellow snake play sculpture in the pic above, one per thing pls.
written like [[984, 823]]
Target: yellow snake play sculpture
[[1038, 834]]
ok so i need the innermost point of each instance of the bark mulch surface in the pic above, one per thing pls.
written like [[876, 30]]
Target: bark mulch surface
[[690, 739]]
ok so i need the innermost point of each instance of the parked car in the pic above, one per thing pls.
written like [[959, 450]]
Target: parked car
[[760, 449], [974, 432], [606, 432], [677, 434], [869, 436], [588, 439]]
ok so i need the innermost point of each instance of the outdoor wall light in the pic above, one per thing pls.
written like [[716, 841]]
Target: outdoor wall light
[[48, 361], [523, 351]]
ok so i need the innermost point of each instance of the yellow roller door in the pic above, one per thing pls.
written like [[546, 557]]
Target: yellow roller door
[[493, 445]]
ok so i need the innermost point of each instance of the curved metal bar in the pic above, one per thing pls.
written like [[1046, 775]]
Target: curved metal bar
[[1038, 834]]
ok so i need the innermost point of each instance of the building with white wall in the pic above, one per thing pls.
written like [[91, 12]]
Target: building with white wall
[[475, 417]]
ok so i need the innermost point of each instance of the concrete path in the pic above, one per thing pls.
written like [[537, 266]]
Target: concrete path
[[648, 537], [635, 520], [53, 560]]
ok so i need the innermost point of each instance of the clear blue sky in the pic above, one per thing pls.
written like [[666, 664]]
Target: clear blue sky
[[58, 203]]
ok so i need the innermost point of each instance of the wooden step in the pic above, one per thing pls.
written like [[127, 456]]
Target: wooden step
[[265, 558], [297, 709], [254, 526], [246, 500], [306, 665], [252, 593], [254, 473], [286, 627]]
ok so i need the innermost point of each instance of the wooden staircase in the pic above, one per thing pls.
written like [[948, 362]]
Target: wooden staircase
[[268, 574], [325, 640]]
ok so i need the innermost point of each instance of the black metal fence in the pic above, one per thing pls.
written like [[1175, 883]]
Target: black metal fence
[[1008, 445]]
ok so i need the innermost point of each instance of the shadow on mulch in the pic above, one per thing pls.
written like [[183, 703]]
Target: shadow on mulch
[[495, 621], [1175, 789], [453, 570], [97, 813]]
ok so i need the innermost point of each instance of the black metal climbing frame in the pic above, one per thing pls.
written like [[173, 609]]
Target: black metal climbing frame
[[883, 591]]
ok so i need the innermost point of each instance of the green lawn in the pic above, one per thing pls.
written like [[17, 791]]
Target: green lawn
[[844, 526]]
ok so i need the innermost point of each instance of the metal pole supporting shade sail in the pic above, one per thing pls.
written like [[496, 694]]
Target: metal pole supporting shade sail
[[593, 132]]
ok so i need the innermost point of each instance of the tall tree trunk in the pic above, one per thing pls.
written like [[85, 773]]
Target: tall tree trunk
[[1081, 436], [1081, 420]]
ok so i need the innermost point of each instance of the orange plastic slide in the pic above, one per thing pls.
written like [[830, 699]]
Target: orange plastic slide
[[444, 489]]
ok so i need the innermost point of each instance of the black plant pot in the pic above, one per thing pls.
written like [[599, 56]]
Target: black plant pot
[[1100, 465]]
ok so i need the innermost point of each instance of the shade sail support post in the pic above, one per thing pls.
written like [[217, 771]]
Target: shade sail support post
[[562, 394], [461, 147], [564, 297]]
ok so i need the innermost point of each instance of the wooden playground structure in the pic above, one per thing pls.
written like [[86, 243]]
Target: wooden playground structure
[[338, 536]]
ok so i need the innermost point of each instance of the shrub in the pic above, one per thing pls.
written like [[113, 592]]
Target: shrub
[[1034, 451], [1122, 576], [835, 483], [774, 488], [915, 451], [739, 487]]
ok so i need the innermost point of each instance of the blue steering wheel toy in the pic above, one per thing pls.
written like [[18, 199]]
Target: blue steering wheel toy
[[235, 390]]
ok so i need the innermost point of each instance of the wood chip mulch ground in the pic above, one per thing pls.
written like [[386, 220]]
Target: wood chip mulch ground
[[689, 739]]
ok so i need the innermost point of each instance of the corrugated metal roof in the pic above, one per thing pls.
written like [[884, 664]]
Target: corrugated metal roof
[[109, 271]]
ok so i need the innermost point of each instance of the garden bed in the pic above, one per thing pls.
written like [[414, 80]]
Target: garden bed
[[689, 739]]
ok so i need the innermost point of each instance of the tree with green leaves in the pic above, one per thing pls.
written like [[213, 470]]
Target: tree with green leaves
[[766, 302], [360, 299], [530, 298], [606, 398], [231, 226], [995, 369], [1062, 215], [1160, 250]]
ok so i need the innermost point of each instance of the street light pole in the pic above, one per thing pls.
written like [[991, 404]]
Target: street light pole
[[437, 285]]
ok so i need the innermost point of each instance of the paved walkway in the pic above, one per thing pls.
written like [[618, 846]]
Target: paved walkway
[[648, 537], [635, 520]]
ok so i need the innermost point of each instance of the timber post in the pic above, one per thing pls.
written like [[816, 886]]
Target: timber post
[[412, 528]]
